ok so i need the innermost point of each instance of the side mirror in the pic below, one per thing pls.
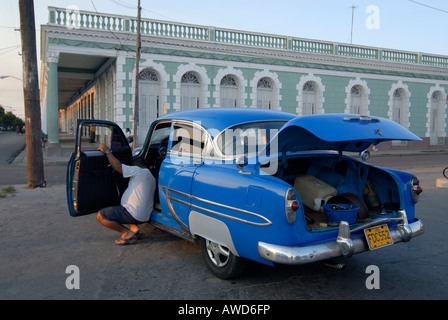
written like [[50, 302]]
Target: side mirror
[[136, 152], [364, 155], [241, 163]]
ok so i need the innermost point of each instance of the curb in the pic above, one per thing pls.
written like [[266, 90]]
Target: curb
[[14, 156], [20, 159]]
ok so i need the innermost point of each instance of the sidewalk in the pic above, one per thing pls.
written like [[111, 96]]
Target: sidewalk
[[67, 144], [53, 160]]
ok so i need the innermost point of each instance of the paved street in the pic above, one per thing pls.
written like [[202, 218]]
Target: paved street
[[11, 144], [39, 240]]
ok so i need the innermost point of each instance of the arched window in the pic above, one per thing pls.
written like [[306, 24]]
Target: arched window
[[149, 89], [436, 118], [399, 106], [309, 98], [356, 99], [265, 91], [229, 91], [190, 91]]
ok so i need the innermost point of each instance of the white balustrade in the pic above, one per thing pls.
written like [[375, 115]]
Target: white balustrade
[[77, 19]]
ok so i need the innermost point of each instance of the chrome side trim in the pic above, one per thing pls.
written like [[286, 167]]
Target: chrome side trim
[[179, 233], [213, 212], [170, 206]]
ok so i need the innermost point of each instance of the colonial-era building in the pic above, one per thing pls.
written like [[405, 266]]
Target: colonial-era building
[[89, 60]]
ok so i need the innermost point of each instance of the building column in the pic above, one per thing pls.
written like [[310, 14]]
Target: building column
[[52, 106], [63, 120]]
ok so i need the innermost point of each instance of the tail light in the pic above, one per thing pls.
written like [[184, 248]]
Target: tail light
[[415, 189], [291, 205]]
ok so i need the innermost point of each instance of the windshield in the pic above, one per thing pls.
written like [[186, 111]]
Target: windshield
[[247, 138]]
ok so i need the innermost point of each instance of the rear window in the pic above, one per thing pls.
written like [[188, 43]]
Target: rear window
[[247, 138]]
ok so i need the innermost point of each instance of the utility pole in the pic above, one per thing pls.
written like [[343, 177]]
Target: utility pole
[[353, 15], [137, 62], [33, 133]]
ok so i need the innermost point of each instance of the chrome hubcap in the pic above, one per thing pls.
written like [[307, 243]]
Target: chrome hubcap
[[218, 254]]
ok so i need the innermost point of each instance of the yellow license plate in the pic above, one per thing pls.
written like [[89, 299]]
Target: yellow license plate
[[378, 236]]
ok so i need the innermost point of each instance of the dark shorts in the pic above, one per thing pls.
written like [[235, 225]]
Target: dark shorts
[[118, 214]]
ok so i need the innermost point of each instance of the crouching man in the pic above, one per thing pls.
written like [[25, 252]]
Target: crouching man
[[136, 203]]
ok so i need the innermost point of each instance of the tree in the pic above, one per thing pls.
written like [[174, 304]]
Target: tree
[[8, 119], [2, 114]]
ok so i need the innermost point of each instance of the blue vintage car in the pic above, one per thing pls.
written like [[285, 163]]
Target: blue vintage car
[[257, 184]]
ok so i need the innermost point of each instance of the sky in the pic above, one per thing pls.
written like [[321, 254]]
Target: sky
[[418, 26]]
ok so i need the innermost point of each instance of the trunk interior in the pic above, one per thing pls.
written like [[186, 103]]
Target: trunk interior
[[340, 183]]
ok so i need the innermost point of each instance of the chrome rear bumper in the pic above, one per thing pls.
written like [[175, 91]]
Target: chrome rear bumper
[[344, 246]]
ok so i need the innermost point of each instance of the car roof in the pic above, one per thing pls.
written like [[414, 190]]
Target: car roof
[[222, 118]]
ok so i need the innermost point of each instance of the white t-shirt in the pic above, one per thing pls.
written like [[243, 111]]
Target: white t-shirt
[[138, 198]]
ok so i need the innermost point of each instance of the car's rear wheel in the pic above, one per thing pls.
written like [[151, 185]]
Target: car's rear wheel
[[221, 261]]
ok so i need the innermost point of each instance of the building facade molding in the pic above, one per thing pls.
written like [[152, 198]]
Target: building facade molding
[[201, 49], [241, 85], [365, 101], [204, 82], [147, 62], [406, 106], [53, 56], [436, 115], [276, 97], [319, 98]]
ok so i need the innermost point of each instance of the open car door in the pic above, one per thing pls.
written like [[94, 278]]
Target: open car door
[[92, 184]]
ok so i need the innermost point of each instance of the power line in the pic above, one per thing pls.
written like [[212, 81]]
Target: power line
[[94, 7], [125, 5], [129, 6], [425, 5], [9, 50], [16, 46], [118, 39]]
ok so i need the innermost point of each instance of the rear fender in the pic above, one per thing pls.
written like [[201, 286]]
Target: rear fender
[[211, 229]]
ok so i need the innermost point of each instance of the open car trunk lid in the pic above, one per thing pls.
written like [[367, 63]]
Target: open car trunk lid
[[338, 132]]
